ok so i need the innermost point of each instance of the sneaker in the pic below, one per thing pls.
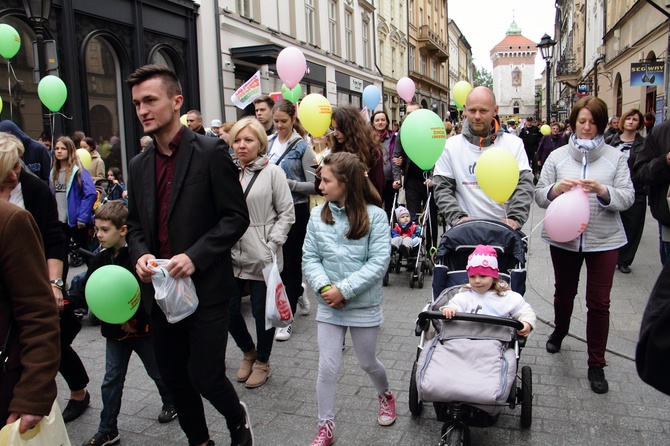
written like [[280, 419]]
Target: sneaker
[[242, 435], [259, 375], [597, 379], [386, 409], [75, 408], [284, 333], [325, 435], [304, 304], [102, 439], [167, 414]]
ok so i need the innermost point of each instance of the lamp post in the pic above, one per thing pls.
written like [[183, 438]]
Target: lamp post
[[546, 47], [37, 12]]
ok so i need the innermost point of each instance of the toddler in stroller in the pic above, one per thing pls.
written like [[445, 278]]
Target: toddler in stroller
[[471, 334], [405, 234]]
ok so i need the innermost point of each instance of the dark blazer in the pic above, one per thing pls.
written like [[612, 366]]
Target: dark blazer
[[40, 202], [207, 214]]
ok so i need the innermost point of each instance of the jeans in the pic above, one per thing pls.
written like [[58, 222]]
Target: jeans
[[191, 356], [238, 328], [71, 367], [116, 366], [600, 268], [291, 275], [664, 247]]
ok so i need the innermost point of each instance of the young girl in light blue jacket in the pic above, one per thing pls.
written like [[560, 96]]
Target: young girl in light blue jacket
[[345, 256]]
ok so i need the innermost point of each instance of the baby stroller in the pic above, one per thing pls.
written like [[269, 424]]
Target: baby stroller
[[418, 260], [467, 366]]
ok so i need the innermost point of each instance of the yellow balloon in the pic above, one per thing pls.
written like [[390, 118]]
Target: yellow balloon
[[84, 157], [545, 129], [0, 105], [182, 119], [315, 114], [460, 92], [497, 173]]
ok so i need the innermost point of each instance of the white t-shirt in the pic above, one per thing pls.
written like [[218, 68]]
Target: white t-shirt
[[458, 161]]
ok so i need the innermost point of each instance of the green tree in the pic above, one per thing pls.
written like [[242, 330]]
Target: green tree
[[483, 77]]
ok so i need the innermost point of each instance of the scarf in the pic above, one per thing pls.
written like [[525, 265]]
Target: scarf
[[586, 145], [477, 140], [381, 135]]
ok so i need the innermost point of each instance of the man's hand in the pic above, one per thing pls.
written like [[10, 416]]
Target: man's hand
[[27, 421], [428, 182], [181, 266], [58, 297], [463, 219], [142, 268], [396, 184], [397, 160]]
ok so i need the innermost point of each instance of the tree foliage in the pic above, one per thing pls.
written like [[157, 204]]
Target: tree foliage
[[483, 78]]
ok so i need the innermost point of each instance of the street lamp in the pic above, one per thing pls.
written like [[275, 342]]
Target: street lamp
[[546, 47], [37, 12]]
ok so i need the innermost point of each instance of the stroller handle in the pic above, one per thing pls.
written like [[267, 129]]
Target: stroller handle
[[424, 316]]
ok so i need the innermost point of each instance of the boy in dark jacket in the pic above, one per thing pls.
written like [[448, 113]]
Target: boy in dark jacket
[[122, 339], [405, 233]]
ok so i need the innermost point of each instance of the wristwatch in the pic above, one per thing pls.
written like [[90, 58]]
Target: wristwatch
[[58, 283]]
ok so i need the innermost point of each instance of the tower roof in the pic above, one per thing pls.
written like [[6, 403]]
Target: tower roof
[[514, 40], [513, 29]]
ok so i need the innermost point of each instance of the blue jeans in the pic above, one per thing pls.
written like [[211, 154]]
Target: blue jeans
[[238, 328], [118, 356]]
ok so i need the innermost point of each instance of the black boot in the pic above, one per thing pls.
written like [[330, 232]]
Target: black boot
[[597, 379], [554, 342]]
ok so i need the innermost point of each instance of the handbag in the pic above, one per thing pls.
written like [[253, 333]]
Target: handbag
[[48, 432], [277, 308]]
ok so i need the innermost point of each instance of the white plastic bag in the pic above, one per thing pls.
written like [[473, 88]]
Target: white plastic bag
[[176, 297], [49, 431], [277, 308]]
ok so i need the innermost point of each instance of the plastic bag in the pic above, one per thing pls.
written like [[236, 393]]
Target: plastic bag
[[48, 432], [277, 308], [176, 297]]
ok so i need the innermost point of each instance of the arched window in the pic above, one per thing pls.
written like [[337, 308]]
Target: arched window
[[618, 88], [515, 108], [104, 86], [22, 105]]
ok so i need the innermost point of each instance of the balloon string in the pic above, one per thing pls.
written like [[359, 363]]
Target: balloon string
[[59, 113], [10, 73]]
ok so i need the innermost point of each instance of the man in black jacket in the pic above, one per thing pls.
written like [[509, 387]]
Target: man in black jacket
[[530, 135]]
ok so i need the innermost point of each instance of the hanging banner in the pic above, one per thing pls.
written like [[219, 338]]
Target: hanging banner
[[249, 91], [646, 74]]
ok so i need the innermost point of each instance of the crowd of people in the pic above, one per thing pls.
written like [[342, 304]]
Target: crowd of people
[[225, 202]]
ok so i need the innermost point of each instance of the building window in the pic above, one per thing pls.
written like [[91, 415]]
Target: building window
[[423, 64], [410, 8], [393, 59], [515, 108], [348, 35], [244, 8], [104, 87], [433, 70], [366, 43], [309, 21], [333, 33], [412, 59]]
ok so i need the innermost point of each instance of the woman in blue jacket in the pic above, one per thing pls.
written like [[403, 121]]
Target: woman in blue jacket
[[74, 191], [350, 226]]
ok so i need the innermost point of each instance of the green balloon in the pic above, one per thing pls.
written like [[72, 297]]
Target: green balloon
[[423, 137], [10, 41], [52, 92], [112, 294], [291, 94]]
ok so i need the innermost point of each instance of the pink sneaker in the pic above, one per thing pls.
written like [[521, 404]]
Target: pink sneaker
[[386, 409], [325, 435]]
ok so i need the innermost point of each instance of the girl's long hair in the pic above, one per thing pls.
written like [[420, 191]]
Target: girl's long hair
[[72, 160], [359, 137], [288, 108], [350, 171], [499, 286]]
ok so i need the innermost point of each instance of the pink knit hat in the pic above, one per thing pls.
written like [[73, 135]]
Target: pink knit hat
[[483, 261]]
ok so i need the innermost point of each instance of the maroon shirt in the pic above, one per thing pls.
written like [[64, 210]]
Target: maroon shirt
[[165, 168]]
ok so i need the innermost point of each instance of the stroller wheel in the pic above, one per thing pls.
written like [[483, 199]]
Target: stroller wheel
[[415, 405], [412, 279], [398, 267], [527, 396], [420, 279], [455, 434], [76, 260], [385, 281]]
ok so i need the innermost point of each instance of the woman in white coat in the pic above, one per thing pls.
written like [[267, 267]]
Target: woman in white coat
[[271, 215]]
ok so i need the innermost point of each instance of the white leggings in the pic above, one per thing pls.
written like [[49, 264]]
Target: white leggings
[[330, 339]]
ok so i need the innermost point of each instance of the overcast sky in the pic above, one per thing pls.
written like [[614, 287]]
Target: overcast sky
[[484, 23]]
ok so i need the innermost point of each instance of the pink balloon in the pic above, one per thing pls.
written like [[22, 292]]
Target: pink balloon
[[567, 216], [406, 88], [291, 66]]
